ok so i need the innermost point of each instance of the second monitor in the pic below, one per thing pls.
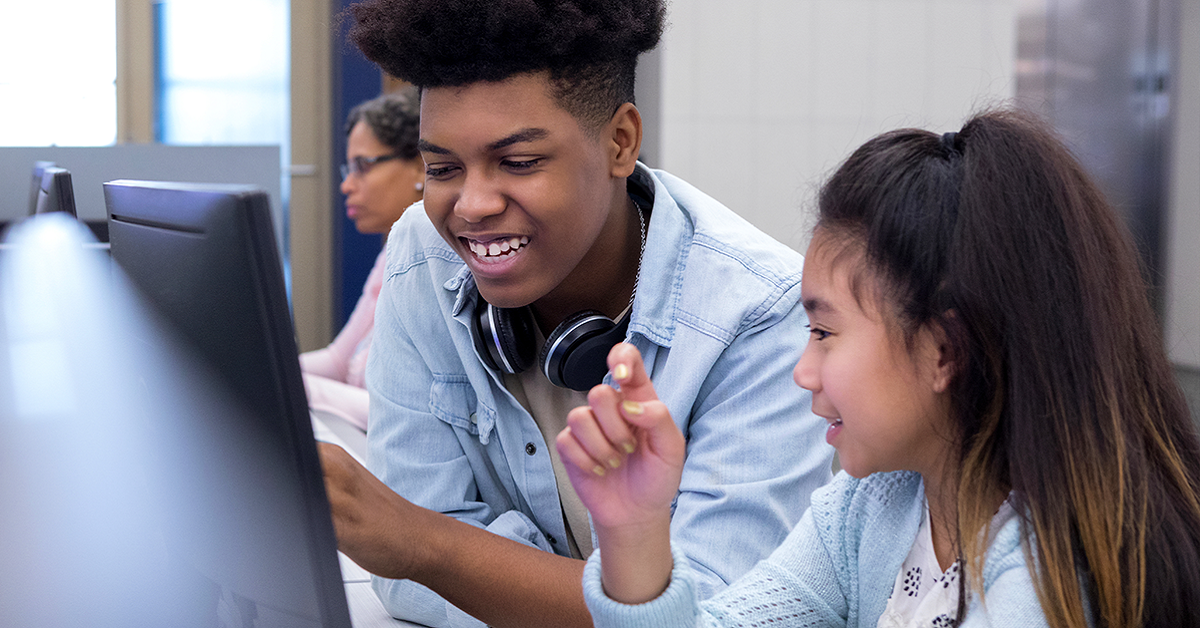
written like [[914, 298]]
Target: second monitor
[[205, 258], [55, 192]]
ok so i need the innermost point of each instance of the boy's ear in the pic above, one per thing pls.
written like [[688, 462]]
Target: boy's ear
[[624, 136]]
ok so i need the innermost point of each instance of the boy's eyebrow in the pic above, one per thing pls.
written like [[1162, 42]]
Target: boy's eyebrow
[[524, 135], [430, 147]]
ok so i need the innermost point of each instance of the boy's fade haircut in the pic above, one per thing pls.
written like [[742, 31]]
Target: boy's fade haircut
[[588, 47]]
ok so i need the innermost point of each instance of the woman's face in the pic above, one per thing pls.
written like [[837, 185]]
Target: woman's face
[[378, 195]]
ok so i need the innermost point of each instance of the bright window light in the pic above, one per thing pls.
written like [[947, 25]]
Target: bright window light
[[224, 72], [58, 73]]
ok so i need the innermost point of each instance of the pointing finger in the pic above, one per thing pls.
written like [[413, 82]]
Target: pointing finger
[[629, 372]]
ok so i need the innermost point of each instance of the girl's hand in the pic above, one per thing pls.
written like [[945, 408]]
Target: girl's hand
[[623, 452], [624, 455]]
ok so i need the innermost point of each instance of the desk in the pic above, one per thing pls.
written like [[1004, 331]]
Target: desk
[[366, 611], [98, 228]]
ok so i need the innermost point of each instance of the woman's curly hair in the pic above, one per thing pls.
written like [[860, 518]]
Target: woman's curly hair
[[394, 118], [588, 47]]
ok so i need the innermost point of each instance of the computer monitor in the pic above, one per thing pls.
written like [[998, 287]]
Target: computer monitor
[[205, 258], [35, 186], [55, 193]]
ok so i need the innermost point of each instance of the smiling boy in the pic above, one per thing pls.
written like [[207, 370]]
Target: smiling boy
[[537, 212]]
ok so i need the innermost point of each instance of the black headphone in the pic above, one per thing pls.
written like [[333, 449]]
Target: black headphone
[[575, 355]]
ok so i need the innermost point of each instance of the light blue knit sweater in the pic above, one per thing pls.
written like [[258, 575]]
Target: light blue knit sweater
[[836, 568]]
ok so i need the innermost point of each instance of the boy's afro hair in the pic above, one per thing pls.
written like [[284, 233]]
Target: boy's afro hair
[[437, 43]]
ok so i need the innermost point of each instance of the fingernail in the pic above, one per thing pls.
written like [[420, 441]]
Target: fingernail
[[621, 372], [632, 407], [598, 470], [629, 447], [614, 462]]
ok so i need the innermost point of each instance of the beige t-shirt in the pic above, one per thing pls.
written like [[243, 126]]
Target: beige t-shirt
[[549, 406]]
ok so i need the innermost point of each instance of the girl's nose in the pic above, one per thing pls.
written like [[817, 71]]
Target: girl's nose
[[806, 374]]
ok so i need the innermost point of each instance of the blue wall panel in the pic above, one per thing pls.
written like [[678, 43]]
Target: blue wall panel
[[355, 79]]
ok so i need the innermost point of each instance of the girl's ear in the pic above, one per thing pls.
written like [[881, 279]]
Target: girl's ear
[[941, 355]]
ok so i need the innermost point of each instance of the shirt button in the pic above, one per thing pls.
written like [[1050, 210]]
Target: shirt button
[[530, 448], [553, 541], [473, 418]]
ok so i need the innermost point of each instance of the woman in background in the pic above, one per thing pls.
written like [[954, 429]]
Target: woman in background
[[383, 176]]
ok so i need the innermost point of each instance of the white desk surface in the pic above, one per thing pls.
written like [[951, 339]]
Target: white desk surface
[[366, 611]]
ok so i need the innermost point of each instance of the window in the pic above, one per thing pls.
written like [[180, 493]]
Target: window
[[223, 72], [58, 78]]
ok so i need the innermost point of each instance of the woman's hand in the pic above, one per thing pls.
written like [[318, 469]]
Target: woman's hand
[[624, 455]]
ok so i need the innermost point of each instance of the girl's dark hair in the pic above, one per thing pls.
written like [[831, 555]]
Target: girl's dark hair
[[589, 47], [394, 118], [1062, 392]]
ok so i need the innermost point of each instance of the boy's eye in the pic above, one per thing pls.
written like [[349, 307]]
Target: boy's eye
[[521, 164], [434, 172]]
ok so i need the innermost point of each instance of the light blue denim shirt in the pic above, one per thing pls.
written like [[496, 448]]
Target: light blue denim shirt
[[718, 321]]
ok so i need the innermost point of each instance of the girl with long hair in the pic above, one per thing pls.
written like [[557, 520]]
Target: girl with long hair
[[1015, 448]]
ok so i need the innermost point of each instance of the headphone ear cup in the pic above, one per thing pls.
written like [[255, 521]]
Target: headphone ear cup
[[504, 338], [575, 355]]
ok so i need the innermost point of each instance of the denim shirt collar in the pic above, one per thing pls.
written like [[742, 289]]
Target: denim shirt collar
[[464, 283]]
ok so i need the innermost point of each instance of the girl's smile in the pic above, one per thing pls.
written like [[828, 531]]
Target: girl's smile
[[831, 434]]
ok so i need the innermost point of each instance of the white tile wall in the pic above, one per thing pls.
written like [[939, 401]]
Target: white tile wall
[[1183, 219], [782, 38], [762, 98]]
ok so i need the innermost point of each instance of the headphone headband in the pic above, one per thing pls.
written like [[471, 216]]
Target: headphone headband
[[499, 351]]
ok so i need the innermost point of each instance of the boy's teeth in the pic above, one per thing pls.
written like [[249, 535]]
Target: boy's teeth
[[498, 247]]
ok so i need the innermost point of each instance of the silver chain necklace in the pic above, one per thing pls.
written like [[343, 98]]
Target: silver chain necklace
[[641, 253]]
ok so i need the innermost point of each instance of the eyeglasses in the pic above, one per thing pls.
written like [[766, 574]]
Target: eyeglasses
[[361, 165]]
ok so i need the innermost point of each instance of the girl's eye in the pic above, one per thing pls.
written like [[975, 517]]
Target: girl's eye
[[817, 332]]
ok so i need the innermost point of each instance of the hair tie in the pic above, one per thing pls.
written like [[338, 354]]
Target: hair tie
[[950, 141]]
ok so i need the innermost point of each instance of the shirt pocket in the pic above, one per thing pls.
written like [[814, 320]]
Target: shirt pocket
[[453, 400]]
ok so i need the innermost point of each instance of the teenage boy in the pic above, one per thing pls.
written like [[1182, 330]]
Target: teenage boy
[[536, 209]]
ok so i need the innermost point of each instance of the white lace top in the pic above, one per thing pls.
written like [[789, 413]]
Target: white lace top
[[924, 596]]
